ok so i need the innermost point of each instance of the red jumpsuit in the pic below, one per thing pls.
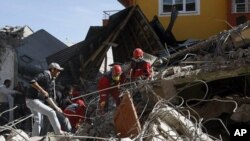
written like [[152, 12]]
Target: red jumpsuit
[[141, 68], [106, 81], [76, 115]]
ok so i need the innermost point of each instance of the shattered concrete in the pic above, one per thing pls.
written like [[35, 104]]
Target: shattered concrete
[[179, 101]]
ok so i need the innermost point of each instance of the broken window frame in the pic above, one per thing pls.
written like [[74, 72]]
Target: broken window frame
[[181, 6], [26, 58], [240, 6]]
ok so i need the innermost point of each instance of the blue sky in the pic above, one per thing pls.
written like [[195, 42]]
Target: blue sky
[[67, 20]]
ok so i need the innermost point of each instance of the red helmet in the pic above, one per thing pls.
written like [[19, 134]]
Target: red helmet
[[137, 53], [117, 70]]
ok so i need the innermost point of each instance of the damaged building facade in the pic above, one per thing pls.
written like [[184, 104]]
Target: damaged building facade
[[202, 73]]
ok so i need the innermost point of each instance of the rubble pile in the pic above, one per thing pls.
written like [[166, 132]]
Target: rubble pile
[[178, 102], [166, 123], [100, 126], [226, 50], [11, 36]]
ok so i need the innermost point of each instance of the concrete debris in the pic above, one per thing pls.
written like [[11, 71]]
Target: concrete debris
[[100, 126], [17, 135], [126, 139], [19, 32], [177, 103], [166, 123], [2, 138], [53, 137]]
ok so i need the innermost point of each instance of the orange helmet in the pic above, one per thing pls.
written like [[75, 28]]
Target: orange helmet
[[117, 70], [137, 53]]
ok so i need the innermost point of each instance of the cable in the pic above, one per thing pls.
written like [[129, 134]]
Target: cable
[[91, 93], [205, 95], [220, 122], [188, 54], [215, 99], [13, 124], [8, 110]]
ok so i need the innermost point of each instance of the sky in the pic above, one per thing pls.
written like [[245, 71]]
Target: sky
[[67, 20]]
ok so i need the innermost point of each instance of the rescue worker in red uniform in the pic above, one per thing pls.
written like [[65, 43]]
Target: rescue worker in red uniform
[[112, 78], [73, 109], [140, 68]]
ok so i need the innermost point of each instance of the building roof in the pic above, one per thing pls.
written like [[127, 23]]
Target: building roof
[[126, 30], [36, 47], [94, 30]]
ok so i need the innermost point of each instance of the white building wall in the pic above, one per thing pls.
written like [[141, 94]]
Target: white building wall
[[27, 32], [110, 61], [7, 66]]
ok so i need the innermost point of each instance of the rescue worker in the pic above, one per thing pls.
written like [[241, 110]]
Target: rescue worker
[[139, 67], [73, 109], [140, 70], [112, 78], [67, 94]]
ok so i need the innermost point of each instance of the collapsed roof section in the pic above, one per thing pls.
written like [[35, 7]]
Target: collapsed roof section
[[126, 30], [20, 32], [18, 50], [136, 32], [220, 44], [222, 56]]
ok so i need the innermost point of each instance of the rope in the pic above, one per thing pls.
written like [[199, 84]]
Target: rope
[[215, 99], [103, 90], [8, 110], [220, 122], [204, 97]]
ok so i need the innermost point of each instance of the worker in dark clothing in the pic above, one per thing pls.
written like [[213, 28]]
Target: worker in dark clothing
[[39, 93], [74, 110], [66, 95], [64, 121], [140, 68], [110, 79]]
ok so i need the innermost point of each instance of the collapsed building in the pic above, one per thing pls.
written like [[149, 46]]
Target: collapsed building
[[23, 45], [189, 82], [205, 75], [126, 30], [23, 54], [10, 37]]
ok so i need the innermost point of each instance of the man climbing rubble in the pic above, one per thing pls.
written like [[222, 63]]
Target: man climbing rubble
[[110, 79], [38, 93], [64, 121]]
